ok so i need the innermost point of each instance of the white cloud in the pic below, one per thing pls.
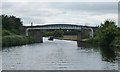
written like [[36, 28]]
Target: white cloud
[[101, 18], [78, 13], [60, 0]]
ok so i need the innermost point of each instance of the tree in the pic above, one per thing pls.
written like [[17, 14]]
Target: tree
[[58, 33], [11, 23], [107, 32], [55, 33], [47, 34]]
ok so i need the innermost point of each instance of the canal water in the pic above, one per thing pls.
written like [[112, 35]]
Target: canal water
[[58, 55]]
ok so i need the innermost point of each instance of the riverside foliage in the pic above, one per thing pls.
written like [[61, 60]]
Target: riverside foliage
[[11, 32], [11, 23], [108, 34], [15, 40], [55, 33]]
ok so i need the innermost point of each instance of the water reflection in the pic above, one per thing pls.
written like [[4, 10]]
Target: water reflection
[[58, 55], [108, 54]]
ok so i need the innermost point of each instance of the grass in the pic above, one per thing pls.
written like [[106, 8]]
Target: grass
[[15, 40], [6, 32]]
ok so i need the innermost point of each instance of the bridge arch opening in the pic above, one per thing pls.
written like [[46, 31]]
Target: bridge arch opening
[[36, 31]]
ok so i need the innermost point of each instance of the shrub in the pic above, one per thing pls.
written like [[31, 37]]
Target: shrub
[[6, 32], [16, 40], [107, 32], [11, 23], [58, 33], [55, 33], [116, 41]]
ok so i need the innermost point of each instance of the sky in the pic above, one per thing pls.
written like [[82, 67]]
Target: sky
[[90, 13]]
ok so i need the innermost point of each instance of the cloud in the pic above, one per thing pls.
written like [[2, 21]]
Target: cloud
[[60, 0], [92, 7], [36, 20], [53, 12]]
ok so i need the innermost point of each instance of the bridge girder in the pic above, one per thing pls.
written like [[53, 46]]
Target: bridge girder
[[59, 26]]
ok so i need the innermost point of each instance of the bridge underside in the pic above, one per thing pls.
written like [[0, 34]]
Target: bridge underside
[[38, 36], [36, 31]]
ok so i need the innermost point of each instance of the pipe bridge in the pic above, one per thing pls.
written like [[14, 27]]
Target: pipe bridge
[[59, 26], [35, 31]]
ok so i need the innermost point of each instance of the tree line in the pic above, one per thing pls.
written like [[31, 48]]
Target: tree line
[[55, 33], [11, 24], [108, 34], [11, 32]]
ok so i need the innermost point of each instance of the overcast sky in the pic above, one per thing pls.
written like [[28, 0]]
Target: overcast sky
[[82, 13]]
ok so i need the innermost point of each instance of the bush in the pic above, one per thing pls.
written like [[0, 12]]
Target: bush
[[58, 33], [47, 34], [11, 23], [116, 41], [55, 33], [16, 40], [6, 32], [107, 32]]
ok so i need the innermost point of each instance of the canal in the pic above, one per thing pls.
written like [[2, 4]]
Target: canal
[[58, 55]]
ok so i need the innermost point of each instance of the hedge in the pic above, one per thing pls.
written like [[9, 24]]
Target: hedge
[[16, 40]]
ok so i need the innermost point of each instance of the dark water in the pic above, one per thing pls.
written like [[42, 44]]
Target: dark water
[[58, 55]]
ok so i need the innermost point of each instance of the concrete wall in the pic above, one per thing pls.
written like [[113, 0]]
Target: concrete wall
[[37, 35], [79, 38], [70, 37]]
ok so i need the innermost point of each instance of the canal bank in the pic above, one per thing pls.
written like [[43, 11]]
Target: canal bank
[[12, 39], [11, 32], [16, 40], [115, 43]]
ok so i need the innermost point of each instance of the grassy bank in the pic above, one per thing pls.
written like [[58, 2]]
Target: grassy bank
[[15, 40], [11, 27], [11, 39], [95, 41], [115, 42]]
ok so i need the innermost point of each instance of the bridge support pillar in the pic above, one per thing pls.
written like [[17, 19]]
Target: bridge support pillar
[[79, 38], [36, 34]]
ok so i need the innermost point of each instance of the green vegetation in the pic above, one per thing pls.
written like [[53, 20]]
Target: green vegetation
[[11, 23], [55, 33], [107, 35], [11, 32], [6, 32], [16, 40], [58, 33], [48, 33], [116, 42]]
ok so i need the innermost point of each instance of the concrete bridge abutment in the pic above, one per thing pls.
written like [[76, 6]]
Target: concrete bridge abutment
[[36, 34], [79, 38]]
